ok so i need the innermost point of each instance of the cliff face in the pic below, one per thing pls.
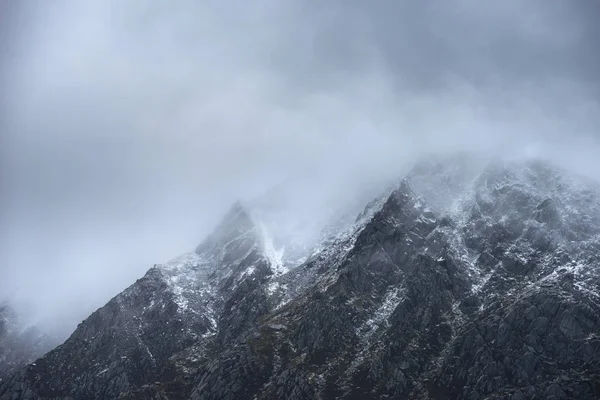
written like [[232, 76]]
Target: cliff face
[[464, 282]]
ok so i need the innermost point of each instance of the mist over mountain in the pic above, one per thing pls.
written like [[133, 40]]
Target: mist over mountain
[[466, 279], [128, 130]]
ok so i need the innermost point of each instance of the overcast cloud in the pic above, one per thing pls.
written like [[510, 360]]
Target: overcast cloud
[[129, 127]]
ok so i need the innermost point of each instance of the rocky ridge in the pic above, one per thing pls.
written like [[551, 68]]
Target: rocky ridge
[[466, 281]]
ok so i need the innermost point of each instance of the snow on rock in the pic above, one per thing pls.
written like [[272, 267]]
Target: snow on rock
[[380, 317], [184, 276]]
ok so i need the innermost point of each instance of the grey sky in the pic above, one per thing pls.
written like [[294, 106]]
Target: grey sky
[[128, 127]]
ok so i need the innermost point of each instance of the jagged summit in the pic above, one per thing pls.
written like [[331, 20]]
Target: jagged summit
[[466, 280], [235, 224], [240, 235]]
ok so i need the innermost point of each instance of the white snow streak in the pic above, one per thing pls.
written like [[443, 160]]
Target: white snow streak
[[392, 299], [274, 256]]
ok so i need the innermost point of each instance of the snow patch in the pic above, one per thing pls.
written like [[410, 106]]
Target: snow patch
[[181, 275], [249, 271], [272, 287]]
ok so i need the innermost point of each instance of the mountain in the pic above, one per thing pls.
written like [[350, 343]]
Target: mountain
[[468, 280], [19, 345]]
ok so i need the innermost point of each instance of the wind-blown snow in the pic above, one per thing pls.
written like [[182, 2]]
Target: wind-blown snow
[[274, 256]]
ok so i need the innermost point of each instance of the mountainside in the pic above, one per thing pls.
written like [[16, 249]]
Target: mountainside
[[19, 345], [466, 281]]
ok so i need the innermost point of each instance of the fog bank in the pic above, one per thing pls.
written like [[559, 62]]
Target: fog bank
[[128, 128]]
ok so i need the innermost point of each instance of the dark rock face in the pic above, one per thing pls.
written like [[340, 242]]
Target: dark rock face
[[153, 330], [489, 291]]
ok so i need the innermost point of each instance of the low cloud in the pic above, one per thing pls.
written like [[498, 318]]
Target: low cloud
[[128, 128]]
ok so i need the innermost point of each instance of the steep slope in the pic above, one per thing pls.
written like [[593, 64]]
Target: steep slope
[[134, 340], [317, 344], [467, 301], [19, 345], [466, 281], [534, 315]]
